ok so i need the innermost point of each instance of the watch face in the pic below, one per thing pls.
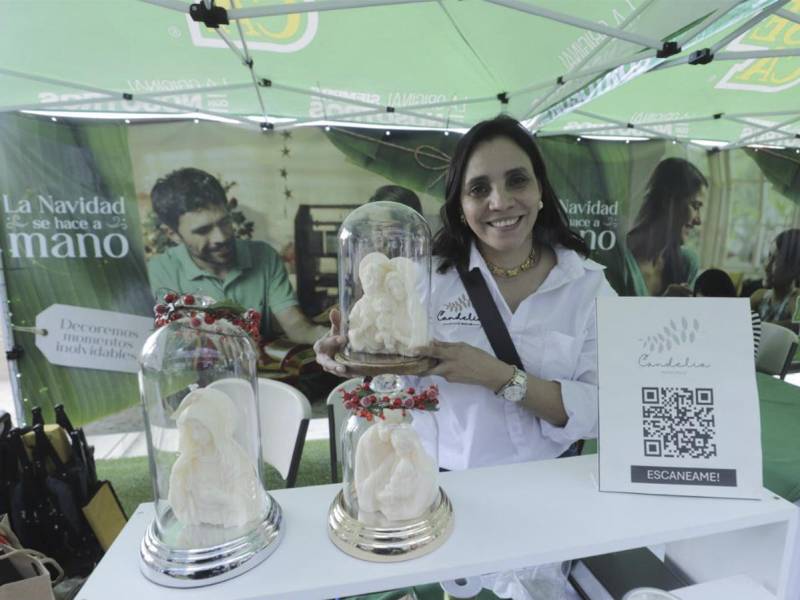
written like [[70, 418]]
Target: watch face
[[514, 393]]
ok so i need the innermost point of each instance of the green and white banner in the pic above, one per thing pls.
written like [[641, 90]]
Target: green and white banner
[[78, 226]]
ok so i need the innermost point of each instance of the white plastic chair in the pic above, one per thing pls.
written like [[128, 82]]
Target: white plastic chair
[[337, 415], [777, 348], [284, 413]]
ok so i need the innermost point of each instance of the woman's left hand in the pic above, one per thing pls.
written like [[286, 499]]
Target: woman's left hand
[[462, 363]]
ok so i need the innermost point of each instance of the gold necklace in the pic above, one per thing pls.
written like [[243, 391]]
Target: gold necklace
[[525, 265]]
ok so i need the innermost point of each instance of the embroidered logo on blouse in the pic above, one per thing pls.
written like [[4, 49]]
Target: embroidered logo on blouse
[[458, 312]]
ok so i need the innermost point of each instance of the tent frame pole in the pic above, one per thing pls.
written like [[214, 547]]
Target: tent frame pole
[[748, 25], [116, 95], [109, 96], [577, 73], [778, 127], [249, 63], [789, 16], [763, 130], [632, 127], [316, 6], [756, 54], [580, 23]]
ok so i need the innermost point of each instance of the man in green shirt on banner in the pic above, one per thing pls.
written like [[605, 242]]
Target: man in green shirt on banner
[[209, 261]]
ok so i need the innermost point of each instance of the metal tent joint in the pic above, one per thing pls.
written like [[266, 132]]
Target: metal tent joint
[[669, 49], [267, 126], [127, 96], [212, 16], [503, 97], [718, 115], [560, 80], [701, 57], [265, 83], [390, 109], [15, 353]]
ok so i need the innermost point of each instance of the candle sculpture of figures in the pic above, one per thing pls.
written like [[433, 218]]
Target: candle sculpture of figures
[[213, 481], [384, 290], [214, 520], [395, 479], [379, 321]]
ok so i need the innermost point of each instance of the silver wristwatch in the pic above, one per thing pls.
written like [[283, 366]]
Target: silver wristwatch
[[514, 389]]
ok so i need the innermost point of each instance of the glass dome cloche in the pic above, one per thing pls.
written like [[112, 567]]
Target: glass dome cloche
[[390, 507], [213, 516], [384, 292]]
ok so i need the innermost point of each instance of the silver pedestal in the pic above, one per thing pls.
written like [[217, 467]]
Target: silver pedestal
[[195, 567], [391, 544]]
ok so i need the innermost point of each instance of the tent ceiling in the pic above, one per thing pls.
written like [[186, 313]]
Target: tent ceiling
[[749, 93], [426, 63]]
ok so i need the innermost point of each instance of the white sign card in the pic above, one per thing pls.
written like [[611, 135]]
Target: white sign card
[[90, 338], [678, 400]]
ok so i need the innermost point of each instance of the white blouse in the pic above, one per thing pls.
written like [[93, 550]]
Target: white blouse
[[554, 332]]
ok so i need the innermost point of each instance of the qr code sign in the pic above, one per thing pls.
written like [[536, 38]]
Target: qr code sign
[[678, 422]]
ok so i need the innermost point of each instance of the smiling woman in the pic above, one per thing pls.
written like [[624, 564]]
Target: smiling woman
[[503, 224]]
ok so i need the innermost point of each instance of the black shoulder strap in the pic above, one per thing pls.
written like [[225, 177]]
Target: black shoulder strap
[[490, 318]]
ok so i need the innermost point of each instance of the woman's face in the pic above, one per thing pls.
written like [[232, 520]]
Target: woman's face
[[693, 220], [500, 195]]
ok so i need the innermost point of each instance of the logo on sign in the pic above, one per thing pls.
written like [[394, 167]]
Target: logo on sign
[[279, 33], [766, 74]]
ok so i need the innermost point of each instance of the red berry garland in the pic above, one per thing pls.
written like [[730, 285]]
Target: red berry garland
[[176, 307], [363, 401]]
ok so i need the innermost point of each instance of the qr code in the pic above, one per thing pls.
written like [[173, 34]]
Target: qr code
[[678, 422]]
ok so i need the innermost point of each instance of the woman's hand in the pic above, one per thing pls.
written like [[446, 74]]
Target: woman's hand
[[462, 363], [328, 345]]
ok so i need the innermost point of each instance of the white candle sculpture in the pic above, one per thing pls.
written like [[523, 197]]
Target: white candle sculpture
[[395, 479], [389, 317], [213, 482]]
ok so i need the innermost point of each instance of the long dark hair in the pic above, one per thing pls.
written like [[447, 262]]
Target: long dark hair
[[657, 230], [788, 245], [452, 241]]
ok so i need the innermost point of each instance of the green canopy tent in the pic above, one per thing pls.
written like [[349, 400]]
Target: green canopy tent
[[393, 63]]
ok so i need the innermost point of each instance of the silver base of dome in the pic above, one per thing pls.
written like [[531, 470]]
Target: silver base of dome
[[188, 568], [391, 544]]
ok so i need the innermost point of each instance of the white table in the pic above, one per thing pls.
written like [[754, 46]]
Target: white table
[[506, 517]]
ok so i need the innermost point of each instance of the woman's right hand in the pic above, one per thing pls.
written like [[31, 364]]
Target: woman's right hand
[[328, 345]]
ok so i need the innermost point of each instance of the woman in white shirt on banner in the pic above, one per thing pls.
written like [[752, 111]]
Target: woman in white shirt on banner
[[501, 216]]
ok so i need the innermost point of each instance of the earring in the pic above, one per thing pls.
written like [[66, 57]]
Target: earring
[[541, 205], [463, 219]]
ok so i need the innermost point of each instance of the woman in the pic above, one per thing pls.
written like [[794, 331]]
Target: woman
[[502, 217], [778, 300], [655, 261]]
